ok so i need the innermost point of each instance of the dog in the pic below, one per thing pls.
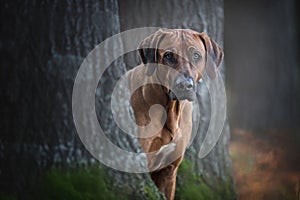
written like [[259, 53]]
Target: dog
[[172, 63]]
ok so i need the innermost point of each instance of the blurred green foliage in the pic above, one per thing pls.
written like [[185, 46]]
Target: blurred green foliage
[[192, 186]]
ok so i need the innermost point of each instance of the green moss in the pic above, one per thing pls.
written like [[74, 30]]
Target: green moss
[[191, 186], [79, 184], [149, 192], [83, 183]]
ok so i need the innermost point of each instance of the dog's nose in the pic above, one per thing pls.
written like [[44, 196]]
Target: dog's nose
[[184, 84]]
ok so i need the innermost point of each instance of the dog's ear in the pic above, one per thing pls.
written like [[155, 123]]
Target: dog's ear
[[148, 50], [214, 55]]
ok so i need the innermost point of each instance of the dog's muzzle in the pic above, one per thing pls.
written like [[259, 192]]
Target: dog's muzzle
[[183, 88]]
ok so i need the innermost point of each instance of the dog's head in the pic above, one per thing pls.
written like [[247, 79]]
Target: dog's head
[[186, 51]]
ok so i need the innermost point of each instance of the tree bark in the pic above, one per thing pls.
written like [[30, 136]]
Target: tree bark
[[43, 44]]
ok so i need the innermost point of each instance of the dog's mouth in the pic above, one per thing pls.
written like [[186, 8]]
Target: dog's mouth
[[183, 88], [190, 96]]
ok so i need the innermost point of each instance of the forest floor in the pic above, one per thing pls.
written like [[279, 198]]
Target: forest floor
[[266, 165]]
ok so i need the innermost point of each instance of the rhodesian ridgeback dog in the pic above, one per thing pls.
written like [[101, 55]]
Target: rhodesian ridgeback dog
[[173, 62]]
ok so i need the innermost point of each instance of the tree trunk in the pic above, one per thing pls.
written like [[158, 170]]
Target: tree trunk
[[43, 44]]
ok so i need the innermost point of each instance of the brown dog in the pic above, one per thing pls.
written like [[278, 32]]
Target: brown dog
[[172, 63]]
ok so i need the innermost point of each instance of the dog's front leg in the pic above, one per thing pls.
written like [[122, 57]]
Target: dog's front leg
[[165, 179]]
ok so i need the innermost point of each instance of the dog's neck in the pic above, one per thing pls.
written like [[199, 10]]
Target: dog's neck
[[160, 96]]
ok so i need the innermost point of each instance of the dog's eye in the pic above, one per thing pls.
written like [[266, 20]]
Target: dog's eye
[[168, 55], [196, 56], [169, 58]]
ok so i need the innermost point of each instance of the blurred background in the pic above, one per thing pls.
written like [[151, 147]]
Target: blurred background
[[43, 44], [263, 90]]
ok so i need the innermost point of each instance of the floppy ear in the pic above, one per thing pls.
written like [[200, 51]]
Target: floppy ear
[[148, 50], [214, 55]]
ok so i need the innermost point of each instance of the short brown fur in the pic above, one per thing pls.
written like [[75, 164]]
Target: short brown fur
[[178, 125]]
